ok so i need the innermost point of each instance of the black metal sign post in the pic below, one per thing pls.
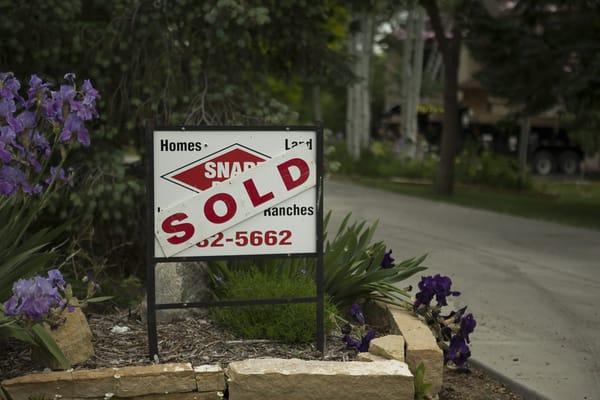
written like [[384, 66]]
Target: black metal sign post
[[152, 260]]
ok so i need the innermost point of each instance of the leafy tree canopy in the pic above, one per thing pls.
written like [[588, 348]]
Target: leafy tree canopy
[[542, 54]]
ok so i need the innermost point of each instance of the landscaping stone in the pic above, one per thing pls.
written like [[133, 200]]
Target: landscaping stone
[[210, 378], [181, 396], [364, 356], [155, 379], [390, 347], [293, 379], [95, 382], [48, 384], [180, 283], [74, 338], [421, 346], [139, 382], [170, 396]]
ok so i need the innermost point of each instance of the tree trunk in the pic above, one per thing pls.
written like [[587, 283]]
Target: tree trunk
[[407, 51], [450, 49], [358, 109], [523, 145], [417, 77], [444, 183], [317, 107]]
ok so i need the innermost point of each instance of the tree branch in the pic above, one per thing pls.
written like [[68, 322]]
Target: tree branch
[[433, 11]]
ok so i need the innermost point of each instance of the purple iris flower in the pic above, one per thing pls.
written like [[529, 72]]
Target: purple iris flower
[[74, 124], [27, 119], [437, 286], [388, 260], [7, 107], [56, 278], [89, 92], [52, 107], [7, 134], [33, 162], [56, 173], [35, 189], [36, 87], [67, 93], [11, 178], [357, 313], [41, 143], [9, 86], [83, 111], [467, 326], [458, 352], [5, 155], [33, 298], [361, 346], [15, 123]]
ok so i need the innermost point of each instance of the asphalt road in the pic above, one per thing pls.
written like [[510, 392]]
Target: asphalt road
[[533, 286]]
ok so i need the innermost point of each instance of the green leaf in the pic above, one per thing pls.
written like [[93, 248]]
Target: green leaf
[[98, 299], [47, 343]]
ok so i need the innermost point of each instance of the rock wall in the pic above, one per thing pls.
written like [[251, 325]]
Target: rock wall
[[149, 382]]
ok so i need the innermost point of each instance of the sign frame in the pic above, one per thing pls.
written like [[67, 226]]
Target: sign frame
[[152, 260]]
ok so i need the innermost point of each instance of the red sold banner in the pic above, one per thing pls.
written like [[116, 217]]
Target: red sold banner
[[254, 189]]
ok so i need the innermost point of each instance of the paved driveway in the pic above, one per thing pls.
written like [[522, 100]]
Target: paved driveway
[[533, 286]]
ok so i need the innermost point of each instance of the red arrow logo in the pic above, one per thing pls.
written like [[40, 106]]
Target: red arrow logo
[[201, 174]]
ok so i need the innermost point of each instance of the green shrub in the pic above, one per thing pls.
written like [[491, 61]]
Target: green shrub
[[352, 267], [490, 170], [286, 322], [379, 161]]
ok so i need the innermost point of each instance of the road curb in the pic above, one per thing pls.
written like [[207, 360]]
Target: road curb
[[517, 387]]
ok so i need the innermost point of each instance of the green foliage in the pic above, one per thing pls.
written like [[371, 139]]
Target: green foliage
[[491, 170], [21, 253], [421, 387], [163, 63], [351, 267], [103, 215], [583, 128], [550, 54], [287, 322], [379, 161]]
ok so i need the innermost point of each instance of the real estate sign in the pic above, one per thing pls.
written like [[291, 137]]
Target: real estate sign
[[234, 192], [228, 192]]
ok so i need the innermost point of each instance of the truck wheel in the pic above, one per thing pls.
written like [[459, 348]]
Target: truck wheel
[[543, 163], [569, 162]]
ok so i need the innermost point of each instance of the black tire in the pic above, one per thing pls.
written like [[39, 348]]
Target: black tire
[[543, 163], [569, 162]]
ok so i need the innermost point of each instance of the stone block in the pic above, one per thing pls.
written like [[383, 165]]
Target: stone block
[[180, 283], [368, 357], [49, 385], [155, 379], [74, 338], [270, 378], [210, 378], [390, 347], [421, 346], [182, 396], [95, 382]]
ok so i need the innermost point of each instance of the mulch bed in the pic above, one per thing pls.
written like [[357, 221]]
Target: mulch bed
[[199, 341]]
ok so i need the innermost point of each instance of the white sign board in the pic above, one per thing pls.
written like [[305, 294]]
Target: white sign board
[[234, 192]]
